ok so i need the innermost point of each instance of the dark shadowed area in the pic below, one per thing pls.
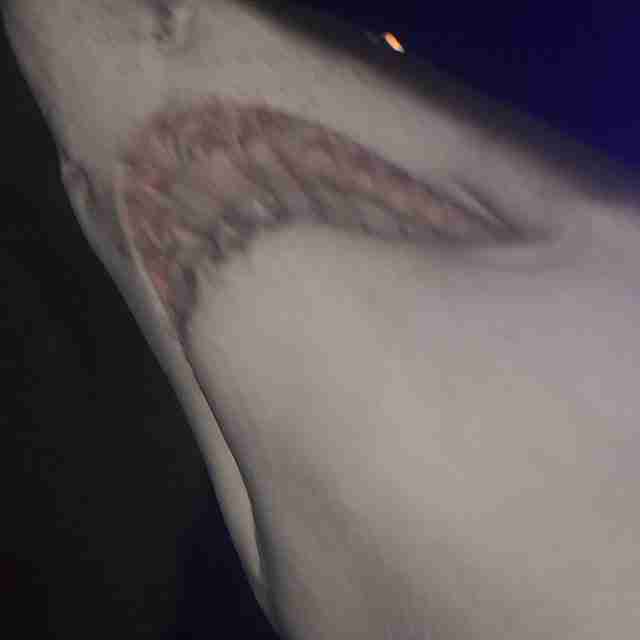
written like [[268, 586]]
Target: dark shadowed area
[[568, 63], [112, 528]]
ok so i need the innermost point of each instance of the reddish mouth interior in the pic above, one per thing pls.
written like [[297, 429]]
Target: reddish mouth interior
[[201, 180]]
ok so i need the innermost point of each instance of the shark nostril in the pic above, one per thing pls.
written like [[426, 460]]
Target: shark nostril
[[75, 180], [173, 21], [68, 168]]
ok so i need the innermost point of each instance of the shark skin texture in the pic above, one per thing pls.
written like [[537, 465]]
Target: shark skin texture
[[400, 317]]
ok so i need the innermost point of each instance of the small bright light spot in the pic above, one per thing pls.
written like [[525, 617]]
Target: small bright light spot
[[393, 42]]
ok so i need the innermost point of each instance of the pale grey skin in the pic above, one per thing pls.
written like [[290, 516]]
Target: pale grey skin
[[410, 445]]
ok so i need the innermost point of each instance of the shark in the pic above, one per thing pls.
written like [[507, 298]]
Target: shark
[[400, 316]]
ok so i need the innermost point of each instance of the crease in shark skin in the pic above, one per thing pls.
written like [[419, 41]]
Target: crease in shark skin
[[198, 182]]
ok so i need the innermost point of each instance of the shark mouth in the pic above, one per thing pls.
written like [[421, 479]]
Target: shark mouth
[[199, 181]]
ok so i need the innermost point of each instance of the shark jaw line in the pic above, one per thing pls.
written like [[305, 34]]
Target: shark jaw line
[[199, 181]]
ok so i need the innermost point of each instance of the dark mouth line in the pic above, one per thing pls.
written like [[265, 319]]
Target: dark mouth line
[[200, 181]]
